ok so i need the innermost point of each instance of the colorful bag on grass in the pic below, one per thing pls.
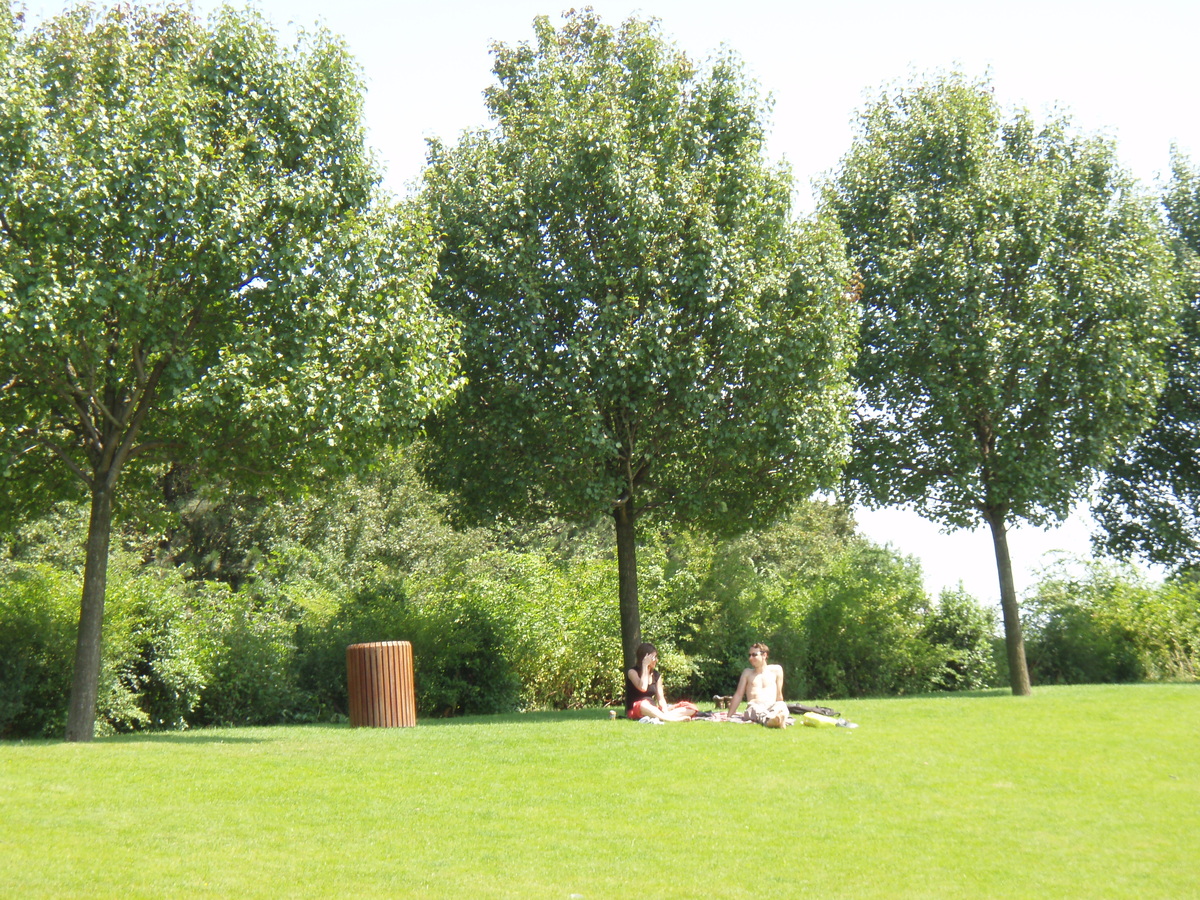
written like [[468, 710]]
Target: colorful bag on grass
[[799, 709]]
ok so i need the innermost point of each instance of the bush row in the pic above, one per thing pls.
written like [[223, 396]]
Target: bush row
[[503, 629], [251, 626], [1094, 621]]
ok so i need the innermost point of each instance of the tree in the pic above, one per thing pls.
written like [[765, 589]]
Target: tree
[[193, 269], [646, 331], [1150, 501], [1018, 304]]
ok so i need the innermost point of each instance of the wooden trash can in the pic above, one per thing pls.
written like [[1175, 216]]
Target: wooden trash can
[[380, 680]]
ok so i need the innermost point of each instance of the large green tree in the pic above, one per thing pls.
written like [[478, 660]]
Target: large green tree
[[646, 329], [1018, 305], [193, 268], [1150, 502]]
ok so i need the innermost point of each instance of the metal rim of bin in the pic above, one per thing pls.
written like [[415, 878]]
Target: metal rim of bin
[[379, 678]]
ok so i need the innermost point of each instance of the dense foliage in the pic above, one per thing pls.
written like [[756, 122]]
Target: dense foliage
[[1095, 621], [519, 618], [1150, 503], [500, 619], [1018, 305], [646, 329]]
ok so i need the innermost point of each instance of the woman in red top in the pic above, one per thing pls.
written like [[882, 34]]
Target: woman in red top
[[644, 692]]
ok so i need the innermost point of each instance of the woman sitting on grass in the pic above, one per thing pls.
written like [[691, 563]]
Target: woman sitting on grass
[[644, 693]]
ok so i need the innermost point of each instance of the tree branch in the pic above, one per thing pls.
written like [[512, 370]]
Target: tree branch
[[139, 449], [136, 411], [8, 230], [66, 458]]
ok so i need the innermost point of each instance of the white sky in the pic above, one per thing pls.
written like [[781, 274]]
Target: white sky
[[1128, 69]]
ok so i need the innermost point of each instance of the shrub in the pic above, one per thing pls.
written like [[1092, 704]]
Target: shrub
[[842, 616], [152, 667], [1101, 622], [566, 647], [1165, 624], [1072, 632], [864, 631], [250, 660], [964, 631], [707, 596], [39, 614], [458, 660]]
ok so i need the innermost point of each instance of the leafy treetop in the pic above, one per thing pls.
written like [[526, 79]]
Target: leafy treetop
[[1017, 299], [642, 318]]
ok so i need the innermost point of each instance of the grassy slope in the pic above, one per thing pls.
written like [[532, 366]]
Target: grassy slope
[[1076, 792]]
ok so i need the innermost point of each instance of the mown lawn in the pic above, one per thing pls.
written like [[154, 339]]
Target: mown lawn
[[1076, 792]]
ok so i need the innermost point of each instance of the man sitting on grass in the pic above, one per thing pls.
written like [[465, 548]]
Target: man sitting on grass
[[762, 685]]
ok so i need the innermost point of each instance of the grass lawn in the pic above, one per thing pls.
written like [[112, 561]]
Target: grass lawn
[[1076, 792]]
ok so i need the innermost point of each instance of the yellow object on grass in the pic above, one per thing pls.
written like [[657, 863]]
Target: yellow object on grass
[[816, 720]]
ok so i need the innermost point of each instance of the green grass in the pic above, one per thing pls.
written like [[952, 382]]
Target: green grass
[[1076, 792]]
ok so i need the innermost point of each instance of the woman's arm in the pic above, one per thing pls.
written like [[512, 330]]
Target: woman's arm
[[637, 679]]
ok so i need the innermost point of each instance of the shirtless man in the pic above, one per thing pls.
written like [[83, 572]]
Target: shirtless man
[[762, 685]]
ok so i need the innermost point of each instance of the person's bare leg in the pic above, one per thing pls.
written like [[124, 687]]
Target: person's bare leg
[[666, 715]]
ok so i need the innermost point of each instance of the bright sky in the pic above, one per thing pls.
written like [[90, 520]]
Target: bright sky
[[1128, 69]]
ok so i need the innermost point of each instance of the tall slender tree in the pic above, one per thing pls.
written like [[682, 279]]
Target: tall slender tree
[[1018, 305], [646, 330], [192, 268]]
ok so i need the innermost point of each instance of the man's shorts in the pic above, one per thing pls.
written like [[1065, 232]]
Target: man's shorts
[[764, 712]]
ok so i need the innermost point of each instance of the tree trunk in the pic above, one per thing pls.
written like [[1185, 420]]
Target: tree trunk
[[1014, 641], [631, 619], [81, 711]]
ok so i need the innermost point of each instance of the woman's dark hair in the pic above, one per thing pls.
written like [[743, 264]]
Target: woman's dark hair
[[643, 651]]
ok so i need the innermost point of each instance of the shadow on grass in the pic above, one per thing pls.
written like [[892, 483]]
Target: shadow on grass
[[196, 736], [236, 734], [228, 735], [942, 695], [537, 717], [200, 736], [996, 692]]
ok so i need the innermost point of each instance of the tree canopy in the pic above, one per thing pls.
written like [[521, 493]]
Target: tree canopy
[[1150, 501], [1018, 305], [194, 267], [645, 327]]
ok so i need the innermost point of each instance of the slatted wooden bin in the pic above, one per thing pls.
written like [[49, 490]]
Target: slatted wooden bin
[[380, 680]]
